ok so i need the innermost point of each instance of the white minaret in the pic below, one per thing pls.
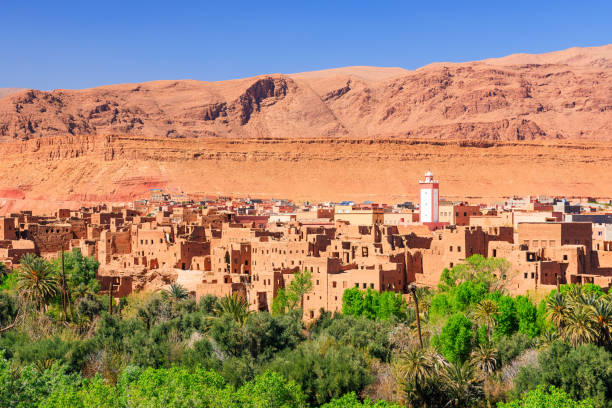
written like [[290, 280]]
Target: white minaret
[[429, 199]]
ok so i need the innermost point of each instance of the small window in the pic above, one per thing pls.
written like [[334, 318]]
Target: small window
[[334, 284], [565, 257]]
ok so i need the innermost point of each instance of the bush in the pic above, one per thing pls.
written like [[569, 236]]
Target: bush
[[510, 347], [351, 401], [262, 336], [373, 304], [456, 339], [527, 315], [324, 369], [360, 332], [507, 318], [547, 398], [8, 309], [70, 354], [583, 372]]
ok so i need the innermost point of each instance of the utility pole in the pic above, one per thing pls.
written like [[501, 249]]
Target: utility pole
[[412, 288]]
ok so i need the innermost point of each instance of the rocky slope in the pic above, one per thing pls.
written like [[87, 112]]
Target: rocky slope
[[522, 124]]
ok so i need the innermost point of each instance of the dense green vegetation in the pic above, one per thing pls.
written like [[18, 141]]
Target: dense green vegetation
[[481, 347]]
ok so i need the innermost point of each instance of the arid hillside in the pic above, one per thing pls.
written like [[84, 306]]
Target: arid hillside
[[561, 95], [522, 124]]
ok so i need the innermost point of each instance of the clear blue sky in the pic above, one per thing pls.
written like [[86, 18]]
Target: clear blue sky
[[80, 44]]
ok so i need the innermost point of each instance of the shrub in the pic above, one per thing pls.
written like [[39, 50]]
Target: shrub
[[583, 372], [456, 339]]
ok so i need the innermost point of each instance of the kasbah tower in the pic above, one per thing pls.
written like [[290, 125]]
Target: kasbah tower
[[429, 199]]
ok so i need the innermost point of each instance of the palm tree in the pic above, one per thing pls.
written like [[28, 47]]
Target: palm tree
[[235, 306], [558, 309], [176, 292], [589, 299], [547, 338], [602, 319], [37, 280], [80, 291], [485, 358], [414, 370], [462, 386], [575, 293], [486, 313], [579, 327]]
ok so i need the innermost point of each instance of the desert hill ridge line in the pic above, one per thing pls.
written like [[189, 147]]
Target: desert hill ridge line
[[481, 100], [522, 124]]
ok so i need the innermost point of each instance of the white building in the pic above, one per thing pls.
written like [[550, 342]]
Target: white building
[[429, 199]]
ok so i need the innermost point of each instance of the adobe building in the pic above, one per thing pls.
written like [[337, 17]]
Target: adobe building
[[357, 216], [254, 247]]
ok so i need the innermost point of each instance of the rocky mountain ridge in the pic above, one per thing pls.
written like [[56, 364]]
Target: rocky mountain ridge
[[561, 95]]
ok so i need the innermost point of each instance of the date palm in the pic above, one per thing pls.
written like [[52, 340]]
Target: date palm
[[414, 370], [602, 320], [36, 279], [486, 313], [235, 306], [557, 309], [176, 292], [579, 328], [547, 338], [462, 385], [589, 299], [485, 358]]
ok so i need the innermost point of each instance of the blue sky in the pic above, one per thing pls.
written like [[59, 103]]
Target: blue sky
[[65, 44]]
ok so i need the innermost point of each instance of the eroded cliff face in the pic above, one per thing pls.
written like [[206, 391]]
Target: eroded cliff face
[[70, 171]]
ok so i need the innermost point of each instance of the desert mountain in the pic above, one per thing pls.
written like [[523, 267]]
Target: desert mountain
[[522, 124], [560, 95]]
